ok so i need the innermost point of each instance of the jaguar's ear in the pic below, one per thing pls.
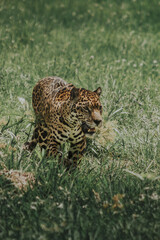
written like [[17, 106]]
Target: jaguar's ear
[[74, 94], [98, 91]]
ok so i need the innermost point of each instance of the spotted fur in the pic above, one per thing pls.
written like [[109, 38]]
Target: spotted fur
[[64, 113]]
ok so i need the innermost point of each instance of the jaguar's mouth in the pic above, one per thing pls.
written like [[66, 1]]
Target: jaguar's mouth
[[88, 130]]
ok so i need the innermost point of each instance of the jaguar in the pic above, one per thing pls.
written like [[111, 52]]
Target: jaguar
[[63, 113]]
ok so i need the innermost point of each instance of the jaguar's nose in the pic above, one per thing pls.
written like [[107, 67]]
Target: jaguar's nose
[[98, 122]]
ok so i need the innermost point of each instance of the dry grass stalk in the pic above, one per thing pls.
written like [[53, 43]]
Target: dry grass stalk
[[19, 179]]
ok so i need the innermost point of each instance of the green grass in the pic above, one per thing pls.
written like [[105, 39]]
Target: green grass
[[115, 192]]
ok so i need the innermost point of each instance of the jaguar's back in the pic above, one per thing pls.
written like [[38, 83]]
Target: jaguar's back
[[44, 92]]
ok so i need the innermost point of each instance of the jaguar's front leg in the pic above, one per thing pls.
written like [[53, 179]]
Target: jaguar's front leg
[[77, 148], [32, 144], [53, 148], [39, 136]]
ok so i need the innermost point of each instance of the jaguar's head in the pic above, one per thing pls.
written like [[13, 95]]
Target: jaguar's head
[[88, 108]]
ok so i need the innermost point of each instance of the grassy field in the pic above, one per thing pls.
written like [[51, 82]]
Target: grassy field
[[115, 192]]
